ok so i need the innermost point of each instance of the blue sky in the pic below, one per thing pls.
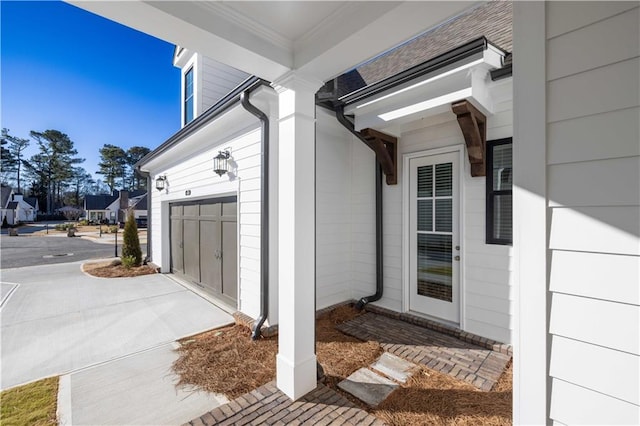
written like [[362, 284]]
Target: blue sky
[[99, 82]]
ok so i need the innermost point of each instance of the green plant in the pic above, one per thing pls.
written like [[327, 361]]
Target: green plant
[[83, 222], [32, 404], [64, 226], [5, 224], [113, 229], [130, 241], [128, 261]]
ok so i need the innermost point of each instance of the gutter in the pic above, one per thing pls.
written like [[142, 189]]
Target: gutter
[[379, 228], [216, 110], [264, 214], [239, 94], [328, 98]]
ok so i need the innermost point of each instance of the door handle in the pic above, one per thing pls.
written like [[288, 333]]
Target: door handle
[[217, 254]]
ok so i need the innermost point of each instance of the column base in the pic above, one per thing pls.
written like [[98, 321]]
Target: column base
[[296, 380]]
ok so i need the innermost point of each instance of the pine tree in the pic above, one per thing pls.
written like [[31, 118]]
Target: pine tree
[[131, 243]]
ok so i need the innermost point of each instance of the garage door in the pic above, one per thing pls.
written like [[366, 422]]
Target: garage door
[[204, 245]]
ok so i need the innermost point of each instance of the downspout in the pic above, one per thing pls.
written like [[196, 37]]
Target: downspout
[[264, 214], [148, 176], [379, 242]]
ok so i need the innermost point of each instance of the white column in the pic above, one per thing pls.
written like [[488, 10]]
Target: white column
[[530, 376], [296, 360]]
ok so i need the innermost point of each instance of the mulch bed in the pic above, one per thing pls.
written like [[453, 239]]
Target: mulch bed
[[227, 361], [114, 269]]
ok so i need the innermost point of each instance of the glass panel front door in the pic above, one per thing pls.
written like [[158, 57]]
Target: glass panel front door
[[434, 236]]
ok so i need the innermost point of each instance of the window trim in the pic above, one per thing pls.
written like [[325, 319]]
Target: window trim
[[186, 98], [491, 193]]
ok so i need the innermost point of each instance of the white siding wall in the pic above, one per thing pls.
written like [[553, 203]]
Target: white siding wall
[[487, 268], [195, 174], [593, 172], [217, 79], [333, 211]]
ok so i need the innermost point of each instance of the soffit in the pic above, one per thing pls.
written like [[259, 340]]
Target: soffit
[[270, 38]]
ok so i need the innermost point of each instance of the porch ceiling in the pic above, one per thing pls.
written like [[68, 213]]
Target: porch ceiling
[[269, 38]]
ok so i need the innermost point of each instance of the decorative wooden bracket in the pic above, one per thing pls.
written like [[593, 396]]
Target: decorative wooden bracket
[[473, 124], [386, 149]]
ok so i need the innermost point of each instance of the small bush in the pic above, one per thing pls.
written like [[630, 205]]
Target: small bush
[[5, 224], [83, 222], [64, 226], [130, 241], [128, 261], [113, 229]]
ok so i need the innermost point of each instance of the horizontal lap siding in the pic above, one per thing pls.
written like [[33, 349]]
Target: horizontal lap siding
[[488, 268], [218, 79], [196, 175], [593, 172], [333, 212]]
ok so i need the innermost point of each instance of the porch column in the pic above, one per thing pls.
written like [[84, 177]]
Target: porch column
[[296, 360]]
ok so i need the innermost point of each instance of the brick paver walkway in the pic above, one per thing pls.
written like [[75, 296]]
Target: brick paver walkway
[[477, 365], [269, 406]]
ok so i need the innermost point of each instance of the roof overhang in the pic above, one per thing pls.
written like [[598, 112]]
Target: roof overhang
[[318, 39], [430, 93]]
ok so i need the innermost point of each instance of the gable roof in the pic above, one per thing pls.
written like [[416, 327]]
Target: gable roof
[[5, 193], [12, 205], [140, 203], [32, 201], [98, 202], [491, 20]]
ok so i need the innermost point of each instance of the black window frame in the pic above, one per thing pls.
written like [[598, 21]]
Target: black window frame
[[491, 193], [186, 99]]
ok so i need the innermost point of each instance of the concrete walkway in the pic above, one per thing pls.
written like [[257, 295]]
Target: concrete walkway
[[103, 335]]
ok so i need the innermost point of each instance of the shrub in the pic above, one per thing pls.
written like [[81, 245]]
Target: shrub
[[5, 224], [64, 226], [130, 241], [113, 229], [83, 222], [128, 261]]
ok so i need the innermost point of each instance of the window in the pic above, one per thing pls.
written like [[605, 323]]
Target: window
[[499, 192], [188, 96]]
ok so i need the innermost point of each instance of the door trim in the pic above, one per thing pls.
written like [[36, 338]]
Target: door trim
[[406, 246]]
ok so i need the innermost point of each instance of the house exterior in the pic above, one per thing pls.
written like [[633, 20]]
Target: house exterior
[[111, 207], [96, 207], [16, 208], [392, 184]]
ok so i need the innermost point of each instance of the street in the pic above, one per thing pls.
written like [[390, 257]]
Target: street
[[31, 250]]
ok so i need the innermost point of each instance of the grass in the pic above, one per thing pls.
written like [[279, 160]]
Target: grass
[[31, 404]]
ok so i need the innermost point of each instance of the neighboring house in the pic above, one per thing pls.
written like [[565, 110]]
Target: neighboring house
[[113, 207], [16, 208], [5, 213], [424, 225], [96, 207]]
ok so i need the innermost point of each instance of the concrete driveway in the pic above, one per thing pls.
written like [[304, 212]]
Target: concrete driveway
[[101, 334]]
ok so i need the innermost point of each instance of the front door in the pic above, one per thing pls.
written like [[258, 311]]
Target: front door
[[434, 278]]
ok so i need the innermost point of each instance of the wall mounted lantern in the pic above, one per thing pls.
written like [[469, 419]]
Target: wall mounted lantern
[[161, 182], [221, 163]]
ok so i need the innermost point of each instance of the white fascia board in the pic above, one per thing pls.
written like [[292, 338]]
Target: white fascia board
[[182, 23], [216, 133], [430, 94]]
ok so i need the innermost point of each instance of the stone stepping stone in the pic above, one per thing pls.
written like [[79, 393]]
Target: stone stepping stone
[[368, 386], [395, 367]]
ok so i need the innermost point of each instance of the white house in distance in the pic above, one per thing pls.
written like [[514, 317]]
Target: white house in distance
[[102, 207], [560, 284], [16, 208]]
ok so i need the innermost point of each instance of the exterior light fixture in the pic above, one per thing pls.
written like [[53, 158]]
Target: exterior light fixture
[[221, 163], [160, 182]]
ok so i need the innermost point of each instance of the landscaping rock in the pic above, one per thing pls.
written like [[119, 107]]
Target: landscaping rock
[[368, 386]]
